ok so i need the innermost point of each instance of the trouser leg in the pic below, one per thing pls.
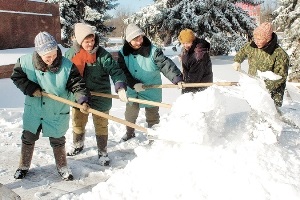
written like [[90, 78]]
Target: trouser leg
[[131, 114], [79, 121], [152, 116], [101, 124], [101, 130], [277, 95]]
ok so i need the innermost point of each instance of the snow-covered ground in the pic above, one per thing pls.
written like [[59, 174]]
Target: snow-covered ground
[[216, 144]]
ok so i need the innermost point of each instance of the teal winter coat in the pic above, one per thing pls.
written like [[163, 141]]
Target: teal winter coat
[[51, 114], [145, 65]]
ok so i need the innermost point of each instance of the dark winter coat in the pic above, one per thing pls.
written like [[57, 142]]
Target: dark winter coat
[[61, 79], [270, 58], [196, 65], [144, 66], [97, 76]]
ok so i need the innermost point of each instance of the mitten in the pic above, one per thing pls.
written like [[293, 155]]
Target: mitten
[[236, 66], [122, 95], [180, 86], [138, 87], [85, 108], [37, 93]]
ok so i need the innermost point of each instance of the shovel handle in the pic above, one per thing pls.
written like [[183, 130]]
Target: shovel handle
[[152, 103], [96, 112], [185, 85]]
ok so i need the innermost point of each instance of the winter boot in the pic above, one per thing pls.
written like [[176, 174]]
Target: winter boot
[[61, 163], [129, 134], [150, 141], [78, 144], [102, 149], [25, 161]]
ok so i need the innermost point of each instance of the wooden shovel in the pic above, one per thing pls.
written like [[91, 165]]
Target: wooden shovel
[[96, 112], [185, 85], [152, 103]]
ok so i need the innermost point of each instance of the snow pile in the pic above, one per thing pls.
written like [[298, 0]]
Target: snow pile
[[194, 118], [200, 154]]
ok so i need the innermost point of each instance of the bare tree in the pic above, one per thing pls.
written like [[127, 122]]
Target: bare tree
[[266, 12], [118, 22]]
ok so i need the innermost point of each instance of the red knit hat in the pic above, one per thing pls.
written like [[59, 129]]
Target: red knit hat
[[186, 36], [264, 30]]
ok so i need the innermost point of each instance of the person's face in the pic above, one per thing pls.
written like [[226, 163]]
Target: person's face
[[187, 45], [259, 41], [88, 43], [137, 42], [49, 57]]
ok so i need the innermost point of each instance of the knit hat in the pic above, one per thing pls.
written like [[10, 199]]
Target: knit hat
[[132, 31], [44, 43], [264, 30], [82, 30], [186, 36]]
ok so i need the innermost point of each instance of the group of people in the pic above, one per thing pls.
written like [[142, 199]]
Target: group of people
[[87, 67]]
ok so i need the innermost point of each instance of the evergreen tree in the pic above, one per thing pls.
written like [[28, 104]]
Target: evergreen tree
[[221, 22], [288, 20], [92, 12]]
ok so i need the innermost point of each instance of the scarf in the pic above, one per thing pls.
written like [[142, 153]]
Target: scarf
[[82, 58]]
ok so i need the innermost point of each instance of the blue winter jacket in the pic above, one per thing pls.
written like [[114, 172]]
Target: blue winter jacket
[[51, 114], [145, 66]]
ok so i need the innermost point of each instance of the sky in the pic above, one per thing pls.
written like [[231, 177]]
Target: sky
[[223, 143], [132, 5]]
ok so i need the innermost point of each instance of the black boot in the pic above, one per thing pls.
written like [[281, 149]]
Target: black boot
[[20, 173], [78, 144], [129, 134]]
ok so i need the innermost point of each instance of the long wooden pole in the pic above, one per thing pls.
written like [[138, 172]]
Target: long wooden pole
[[185, 85], [152, 103], [96, 112]]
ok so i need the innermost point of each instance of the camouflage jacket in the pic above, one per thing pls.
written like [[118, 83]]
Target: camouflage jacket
[[270, 58]]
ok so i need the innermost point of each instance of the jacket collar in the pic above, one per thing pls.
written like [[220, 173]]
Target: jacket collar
[[143, 51], [270, 47], [39, 64], [199, 44]]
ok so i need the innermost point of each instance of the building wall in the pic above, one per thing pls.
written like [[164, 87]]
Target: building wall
[[22, 20]]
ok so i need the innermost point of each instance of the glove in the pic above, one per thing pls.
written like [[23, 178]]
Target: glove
[[85, 108], [236, 66], [37, 93], [139, 87], [122, 95], [180, 86]]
